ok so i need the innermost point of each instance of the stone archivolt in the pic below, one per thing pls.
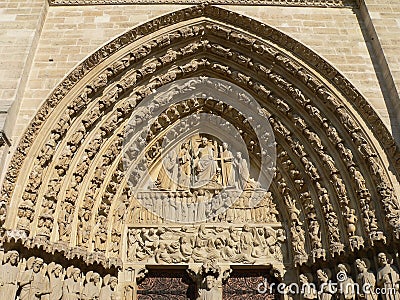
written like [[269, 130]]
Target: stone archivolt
[[75, 197], [83, 164]]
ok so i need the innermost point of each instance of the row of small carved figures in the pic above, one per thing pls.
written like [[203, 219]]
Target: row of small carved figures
[[176, 205], [32, 278], [234, 199], [366, 284]]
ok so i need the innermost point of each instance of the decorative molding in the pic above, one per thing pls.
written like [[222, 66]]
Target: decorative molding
[[18, 239], [295, 3], [106, 51]]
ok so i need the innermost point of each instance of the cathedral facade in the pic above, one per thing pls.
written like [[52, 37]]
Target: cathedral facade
[[207, 150]]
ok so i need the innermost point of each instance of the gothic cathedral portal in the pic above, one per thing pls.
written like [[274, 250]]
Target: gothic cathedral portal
[[202, 155]]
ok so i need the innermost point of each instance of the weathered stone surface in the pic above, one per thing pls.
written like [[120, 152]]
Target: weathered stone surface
[[86, 226]]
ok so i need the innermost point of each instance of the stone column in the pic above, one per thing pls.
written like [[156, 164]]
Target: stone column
[[128, 279]]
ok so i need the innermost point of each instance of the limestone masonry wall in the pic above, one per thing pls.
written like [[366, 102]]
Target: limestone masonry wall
[[70, 33], [20, 27], [384, 17]]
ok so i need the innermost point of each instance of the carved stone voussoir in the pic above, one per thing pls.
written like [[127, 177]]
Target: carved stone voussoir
[[310, 3], [212, 12]]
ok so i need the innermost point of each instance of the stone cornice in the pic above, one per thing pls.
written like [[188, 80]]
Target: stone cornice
[[300, 3]]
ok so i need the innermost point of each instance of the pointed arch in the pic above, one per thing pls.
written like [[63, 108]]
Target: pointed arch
[[336, 156]]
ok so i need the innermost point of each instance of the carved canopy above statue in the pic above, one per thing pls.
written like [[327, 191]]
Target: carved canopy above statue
[[337, 166]]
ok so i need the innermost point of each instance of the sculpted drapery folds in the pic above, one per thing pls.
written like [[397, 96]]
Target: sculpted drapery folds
[[32, 279], [200, 161], [206, 165], [346, 288], [56, 278], [228, 171], [9, 275], [174, 245], [34, 283], [365, 277], [326, 291], [310, 292], [72, 285], [168, 175], [92, 286], [243, 170], [209, 291], [388, 278], [185, 171], [109, 290]]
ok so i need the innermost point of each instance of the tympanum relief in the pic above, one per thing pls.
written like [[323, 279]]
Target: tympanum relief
[[202, 179]]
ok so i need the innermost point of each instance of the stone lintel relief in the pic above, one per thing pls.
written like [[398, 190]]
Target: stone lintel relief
[[247, 244], [229, 207]]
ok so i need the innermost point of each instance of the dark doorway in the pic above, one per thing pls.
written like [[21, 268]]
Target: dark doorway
[[247, 284], [166, 285]]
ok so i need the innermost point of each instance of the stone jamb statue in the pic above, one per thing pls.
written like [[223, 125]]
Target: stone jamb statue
[[388, 279], [9, 275]]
